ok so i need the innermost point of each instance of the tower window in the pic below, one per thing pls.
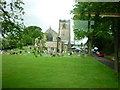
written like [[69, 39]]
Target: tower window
[[64, 26]]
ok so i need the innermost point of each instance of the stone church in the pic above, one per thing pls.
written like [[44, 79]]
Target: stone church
[[58, 42]]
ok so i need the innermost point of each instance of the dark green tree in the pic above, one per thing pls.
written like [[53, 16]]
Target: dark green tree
[[104, 16], [30, 33]]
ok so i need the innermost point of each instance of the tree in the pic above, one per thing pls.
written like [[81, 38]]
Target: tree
[[4, 44], [93, 11], [80, 11], [30, 33], [11, 19]]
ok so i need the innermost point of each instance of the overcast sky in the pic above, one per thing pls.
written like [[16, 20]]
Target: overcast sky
[[46, 13]]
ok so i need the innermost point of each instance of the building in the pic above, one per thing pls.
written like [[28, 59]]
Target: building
[[59, 41]]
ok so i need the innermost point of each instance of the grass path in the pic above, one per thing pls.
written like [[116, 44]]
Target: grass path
[[26, 71]]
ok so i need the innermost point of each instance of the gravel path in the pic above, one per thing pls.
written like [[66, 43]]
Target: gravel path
[[104, 60]]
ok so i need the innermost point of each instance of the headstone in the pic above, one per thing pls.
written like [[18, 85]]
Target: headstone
[[78, 55]]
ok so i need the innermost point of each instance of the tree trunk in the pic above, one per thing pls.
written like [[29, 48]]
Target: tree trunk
[[89, 38], [116, 51], [116, 46], [89, 45], [119, 50]]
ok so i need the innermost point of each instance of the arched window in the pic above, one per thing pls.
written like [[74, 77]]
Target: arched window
[[49, 37]]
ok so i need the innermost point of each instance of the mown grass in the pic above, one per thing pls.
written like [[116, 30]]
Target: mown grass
[[27, 71]]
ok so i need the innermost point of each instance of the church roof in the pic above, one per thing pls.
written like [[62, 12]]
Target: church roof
[[50, 30]]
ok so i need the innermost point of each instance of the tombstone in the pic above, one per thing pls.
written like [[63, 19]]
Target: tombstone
[[78, 55], [28, 52], [63, 53], [85, 55], [68, 54], [58, 54]]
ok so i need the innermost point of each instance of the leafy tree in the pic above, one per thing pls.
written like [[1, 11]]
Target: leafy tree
[[11, 20], [30, 33], [86, 10], [80, 11], [4, 44], [11, 17], [92, 11], [27, 40]]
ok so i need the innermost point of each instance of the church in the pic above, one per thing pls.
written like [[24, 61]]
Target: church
[[59, 41]]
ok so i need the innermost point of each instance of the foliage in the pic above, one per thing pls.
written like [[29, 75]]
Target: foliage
[[103, 28], [30, 33], [81, 29], [11, 23], [28, 36], [11, 17]]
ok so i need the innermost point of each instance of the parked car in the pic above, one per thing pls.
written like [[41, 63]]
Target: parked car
[[99, 54]]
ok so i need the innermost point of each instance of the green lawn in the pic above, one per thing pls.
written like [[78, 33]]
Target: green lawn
[[27, 71]]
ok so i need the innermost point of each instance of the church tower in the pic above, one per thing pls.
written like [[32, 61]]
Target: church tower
[[64, 31]]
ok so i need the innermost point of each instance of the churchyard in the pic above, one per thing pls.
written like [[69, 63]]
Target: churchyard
[[27, 71], [29, 50]]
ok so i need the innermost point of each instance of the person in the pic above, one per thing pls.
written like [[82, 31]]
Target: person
[[30, 48], [70, 53], [57, 50], [20, 52]]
